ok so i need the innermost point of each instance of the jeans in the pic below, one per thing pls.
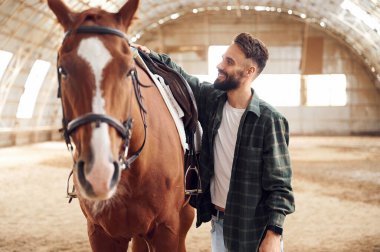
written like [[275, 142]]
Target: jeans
[[217, 240]]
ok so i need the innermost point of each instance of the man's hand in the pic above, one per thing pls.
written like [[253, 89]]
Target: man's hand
[[271, 242], [141, 47]]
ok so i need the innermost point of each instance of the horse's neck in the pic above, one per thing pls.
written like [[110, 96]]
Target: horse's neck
[[162, 136]]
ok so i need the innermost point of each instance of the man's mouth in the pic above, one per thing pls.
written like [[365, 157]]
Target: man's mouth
[[221, 75]]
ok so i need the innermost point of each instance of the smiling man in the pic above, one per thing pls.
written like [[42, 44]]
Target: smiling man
[[244, 162]]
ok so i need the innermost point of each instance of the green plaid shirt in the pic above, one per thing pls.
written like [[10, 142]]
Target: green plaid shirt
[[260, 191]]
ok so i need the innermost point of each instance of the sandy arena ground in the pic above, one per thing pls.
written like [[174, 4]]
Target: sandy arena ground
[[336, 183]]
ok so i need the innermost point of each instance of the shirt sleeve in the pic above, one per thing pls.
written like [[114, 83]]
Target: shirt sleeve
[[277, 171], [196, 86]]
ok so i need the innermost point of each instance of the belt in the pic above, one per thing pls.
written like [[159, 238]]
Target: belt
[[217, 213]]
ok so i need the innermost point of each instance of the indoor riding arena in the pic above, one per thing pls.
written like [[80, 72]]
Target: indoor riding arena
[[323, 75]]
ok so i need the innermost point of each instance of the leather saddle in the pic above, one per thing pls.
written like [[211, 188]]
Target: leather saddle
[[185, 98]]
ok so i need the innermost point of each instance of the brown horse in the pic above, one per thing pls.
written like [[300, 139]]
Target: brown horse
[[102, 91]]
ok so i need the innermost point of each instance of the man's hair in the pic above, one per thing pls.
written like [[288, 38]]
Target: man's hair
[[253, 49]]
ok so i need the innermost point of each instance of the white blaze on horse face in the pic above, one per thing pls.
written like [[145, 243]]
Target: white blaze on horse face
[[93, 51]]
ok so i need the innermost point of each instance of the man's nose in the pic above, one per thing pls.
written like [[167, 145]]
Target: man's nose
[[219, 66]]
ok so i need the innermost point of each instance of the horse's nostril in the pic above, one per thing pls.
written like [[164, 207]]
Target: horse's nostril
[[116, 174], [86, 186], [81, 177]]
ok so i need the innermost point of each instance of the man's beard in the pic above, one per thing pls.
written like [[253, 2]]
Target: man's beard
[[230, 83]]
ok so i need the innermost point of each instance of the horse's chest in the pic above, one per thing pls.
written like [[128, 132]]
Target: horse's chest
[[121, 220]]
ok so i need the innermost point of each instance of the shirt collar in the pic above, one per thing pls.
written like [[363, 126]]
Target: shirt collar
[[254, 104]]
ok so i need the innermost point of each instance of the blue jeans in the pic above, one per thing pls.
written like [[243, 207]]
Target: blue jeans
[[217, 240]]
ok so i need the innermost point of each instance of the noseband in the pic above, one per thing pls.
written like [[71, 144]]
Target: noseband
[[124, 129]]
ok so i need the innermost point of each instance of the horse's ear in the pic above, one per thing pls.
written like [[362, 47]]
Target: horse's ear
[[64, 15], [127, 13]]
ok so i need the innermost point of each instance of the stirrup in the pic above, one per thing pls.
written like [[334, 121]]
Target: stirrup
[[198, 189]]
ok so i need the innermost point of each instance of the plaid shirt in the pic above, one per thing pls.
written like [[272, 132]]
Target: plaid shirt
[[260, 191]]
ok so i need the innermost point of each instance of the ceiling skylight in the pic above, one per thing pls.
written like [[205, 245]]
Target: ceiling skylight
[[360, 14]]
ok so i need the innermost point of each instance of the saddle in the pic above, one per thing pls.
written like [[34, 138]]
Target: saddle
[[185, 98]]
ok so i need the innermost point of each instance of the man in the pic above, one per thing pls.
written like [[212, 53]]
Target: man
[[244, 161]]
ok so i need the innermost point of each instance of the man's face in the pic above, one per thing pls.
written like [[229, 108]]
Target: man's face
[[227, 82], [231, 71]]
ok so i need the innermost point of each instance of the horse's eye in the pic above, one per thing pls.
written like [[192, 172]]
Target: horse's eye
[[62, 72]]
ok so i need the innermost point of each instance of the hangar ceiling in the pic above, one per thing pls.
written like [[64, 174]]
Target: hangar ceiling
[[29, 29]]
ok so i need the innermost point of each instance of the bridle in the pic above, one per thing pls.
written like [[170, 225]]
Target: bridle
[[124, 129]]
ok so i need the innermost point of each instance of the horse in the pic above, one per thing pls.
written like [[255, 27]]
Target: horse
[[128, 158]]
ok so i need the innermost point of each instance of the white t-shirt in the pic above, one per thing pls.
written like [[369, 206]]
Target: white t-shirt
[[224, 149]]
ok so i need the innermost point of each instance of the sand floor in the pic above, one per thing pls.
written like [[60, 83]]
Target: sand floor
[[336, 183]]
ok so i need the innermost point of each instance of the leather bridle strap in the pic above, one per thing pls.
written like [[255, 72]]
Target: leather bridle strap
[[136, 85], [98, 30], [97, 118]]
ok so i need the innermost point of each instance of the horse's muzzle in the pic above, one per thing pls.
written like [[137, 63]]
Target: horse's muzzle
[[96, 184]]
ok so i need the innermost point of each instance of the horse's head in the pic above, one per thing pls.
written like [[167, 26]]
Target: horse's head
[[94, 70]]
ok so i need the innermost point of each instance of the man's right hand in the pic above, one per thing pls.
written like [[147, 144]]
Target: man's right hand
[[271, 242], [141, 47]]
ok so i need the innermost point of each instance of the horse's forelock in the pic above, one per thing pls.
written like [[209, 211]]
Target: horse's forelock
[[95, 17]]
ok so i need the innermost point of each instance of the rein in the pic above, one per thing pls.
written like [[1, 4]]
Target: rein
[[124, 129]]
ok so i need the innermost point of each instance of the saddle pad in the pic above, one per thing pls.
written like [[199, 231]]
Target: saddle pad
[[172, 105]]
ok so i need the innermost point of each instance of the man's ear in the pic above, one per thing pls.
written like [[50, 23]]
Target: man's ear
[[252, 70]]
